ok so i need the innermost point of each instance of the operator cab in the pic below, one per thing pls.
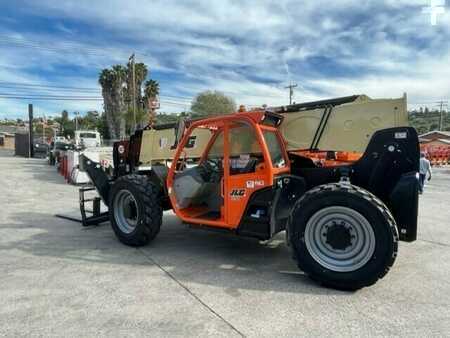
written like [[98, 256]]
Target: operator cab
[[237, 157], [197, 182]]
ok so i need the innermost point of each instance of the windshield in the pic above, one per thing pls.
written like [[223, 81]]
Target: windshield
[[88, 135], [63, 146], [275, 149]]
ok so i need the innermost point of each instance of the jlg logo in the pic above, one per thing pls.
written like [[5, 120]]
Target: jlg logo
[[237, 193]]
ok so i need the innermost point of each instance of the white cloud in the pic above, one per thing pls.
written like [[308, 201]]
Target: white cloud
[[247, 49]]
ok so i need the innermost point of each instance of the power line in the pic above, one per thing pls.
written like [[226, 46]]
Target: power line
[[40, 86], [46, 91], [28, 91], [61, 98], [33, 86], [74, 98], [32, 93], [104, 51]]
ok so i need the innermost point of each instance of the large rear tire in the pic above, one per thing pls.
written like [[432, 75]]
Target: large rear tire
[[342, 236], [135, 210]]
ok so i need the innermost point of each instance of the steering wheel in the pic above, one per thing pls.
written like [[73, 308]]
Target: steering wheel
[[181, 163], [279, 162], [212, 165]]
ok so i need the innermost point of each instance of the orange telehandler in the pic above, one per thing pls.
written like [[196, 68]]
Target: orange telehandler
[[343, 216]]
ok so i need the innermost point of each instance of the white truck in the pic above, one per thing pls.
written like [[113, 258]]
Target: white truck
[[87, 139]]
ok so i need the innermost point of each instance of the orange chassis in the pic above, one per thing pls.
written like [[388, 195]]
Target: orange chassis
[[233, 208]]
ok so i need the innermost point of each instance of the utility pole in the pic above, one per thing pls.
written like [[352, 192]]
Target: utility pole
[[43, 130], [30, 132], [291, 91], [441, 112], [76, 120], [133, 78]]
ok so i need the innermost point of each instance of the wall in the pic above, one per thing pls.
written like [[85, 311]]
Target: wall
[[21, 145], [8, 142]]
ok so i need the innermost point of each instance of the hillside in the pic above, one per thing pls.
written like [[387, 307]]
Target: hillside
[[425, 121]]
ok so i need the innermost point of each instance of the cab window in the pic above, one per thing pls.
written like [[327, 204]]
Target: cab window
[[216, 150], [245, 151], [275, 149]]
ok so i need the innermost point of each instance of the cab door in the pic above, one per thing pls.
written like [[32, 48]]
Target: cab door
[[248, 169], [195, 179]]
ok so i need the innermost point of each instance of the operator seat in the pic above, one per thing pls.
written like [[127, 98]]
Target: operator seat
[[199, 186]]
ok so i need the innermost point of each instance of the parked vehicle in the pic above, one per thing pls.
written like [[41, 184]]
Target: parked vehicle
[[55, 150], [40, 149], [343, 215], [87, 138]]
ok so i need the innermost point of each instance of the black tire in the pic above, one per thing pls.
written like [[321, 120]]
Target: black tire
[[148, 210], [382, 241]]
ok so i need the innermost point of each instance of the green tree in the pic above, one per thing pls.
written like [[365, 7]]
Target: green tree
[[118, 91], [135, 91], [67, 126], [114, 92], [163, 118], [151, 92], [65, 115], [140, 73], [151, 89], [103, 127], [210, 103], [425, 120], [39, 131], [89, 121]]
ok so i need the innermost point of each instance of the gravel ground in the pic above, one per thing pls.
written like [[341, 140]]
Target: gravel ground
[[60, 279]]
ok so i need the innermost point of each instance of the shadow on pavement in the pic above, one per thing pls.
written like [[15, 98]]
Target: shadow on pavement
[[42, 171], [190, 255]]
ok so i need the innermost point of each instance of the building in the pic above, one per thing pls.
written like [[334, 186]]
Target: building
[[434, 135], [7, 141], [7, 136], [435, 139], [436, 144]]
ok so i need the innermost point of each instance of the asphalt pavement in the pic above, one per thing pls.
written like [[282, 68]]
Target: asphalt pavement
[[60, 279]]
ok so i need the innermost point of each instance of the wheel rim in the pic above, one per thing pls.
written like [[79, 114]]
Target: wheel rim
[[340, 239], [126, 212]]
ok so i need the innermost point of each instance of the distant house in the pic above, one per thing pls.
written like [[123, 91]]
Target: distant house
[[435, 135], [7, 136], [435, 139], [7, 141], [440, 142], [13, 129], [436, 144]]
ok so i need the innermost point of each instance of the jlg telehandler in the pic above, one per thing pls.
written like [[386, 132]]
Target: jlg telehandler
[[343, 212]]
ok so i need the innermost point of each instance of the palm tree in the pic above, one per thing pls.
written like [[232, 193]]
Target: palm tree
[[140, 73], [151, 93], [117, 91], [151, 88], [106, 81], [113, 82]]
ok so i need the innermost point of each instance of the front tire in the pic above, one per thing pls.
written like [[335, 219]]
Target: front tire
[[343, 236], [135, 210]]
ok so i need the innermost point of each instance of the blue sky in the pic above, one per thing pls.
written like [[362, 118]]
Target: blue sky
[[250, 50]]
